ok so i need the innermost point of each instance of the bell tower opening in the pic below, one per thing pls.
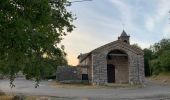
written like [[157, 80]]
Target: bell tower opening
[[124, 37]]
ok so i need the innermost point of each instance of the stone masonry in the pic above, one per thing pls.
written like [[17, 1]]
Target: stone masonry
[[127, 60]]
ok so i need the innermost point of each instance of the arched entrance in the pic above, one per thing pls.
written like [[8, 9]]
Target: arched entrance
[[117, 67]]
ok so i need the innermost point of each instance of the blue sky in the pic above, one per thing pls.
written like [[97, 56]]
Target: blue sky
[[101, 21]]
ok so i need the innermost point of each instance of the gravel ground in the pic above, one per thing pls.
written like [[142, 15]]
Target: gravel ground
[[151, 91]]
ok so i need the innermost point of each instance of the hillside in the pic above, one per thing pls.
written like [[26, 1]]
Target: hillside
[[162, 78]]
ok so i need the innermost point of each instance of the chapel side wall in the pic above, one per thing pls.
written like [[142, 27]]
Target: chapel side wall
[[86, 63], [133, 69], [136, 70], [141, 68]]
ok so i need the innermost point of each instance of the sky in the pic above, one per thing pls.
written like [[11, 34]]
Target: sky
[[102, 21]]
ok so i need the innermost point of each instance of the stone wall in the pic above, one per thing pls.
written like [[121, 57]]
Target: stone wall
[[99, 69], [135, 62], [67, 73]]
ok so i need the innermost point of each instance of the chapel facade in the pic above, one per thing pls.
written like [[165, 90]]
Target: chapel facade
[[116, 62]]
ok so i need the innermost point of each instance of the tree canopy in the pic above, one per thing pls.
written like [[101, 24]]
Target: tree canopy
[[30, 31], [158, 57], [147, 57]]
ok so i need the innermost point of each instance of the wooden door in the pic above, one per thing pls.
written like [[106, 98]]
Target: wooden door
[[110, 73]]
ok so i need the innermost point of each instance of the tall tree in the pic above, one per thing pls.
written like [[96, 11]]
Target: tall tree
[[164, 59], [147, 57], [160, 61], [135, 45], [30, 31]]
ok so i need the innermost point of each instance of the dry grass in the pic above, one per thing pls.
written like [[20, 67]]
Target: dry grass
[[6, 97], [1, 93], [162, 78], [11, 97]]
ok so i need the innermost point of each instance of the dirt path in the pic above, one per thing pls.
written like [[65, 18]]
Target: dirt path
[[151, 91]]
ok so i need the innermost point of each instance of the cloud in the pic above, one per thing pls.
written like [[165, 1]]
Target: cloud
[[163, 9], [150, 24], [128, 15], [125, 10], [142, 44], [161, 12], [99, 22], [166, 32]]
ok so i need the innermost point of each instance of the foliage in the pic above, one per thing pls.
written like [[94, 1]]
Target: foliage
[[155, 66], [147, 57], [30, 31], [164, 59], [135, 45], [160, 61]]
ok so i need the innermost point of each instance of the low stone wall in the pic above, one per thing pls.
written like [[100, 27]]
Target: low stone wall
[[66, 73]]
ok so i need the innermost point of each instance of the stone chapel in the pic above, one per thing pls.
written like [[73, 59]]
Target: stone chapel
[[116, 62]]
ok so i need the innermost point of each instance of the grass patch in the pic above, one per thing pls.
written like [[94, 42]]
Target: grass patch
[[165, 74], [2, 93], [162, 78], [6, 97]]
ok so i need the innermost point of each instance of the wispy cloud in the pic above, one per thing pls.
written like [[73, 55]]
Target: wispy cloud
[[161, 11], [125, 11], [128, 14], [150, 23], [100, 22], [166, 32]]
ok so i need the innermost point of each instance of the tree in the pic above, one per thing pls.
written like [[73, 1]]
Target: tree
[[164, 59], [155, 67], [147, 57], [30, 31], [161, 56], [135, 45]]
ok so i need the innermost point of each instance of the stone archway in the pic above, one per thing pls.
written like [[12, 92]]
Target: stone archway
[[119, 61]]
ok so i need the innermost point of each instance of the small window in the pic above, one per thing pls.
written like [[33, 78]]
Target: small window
[[84, 76]]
